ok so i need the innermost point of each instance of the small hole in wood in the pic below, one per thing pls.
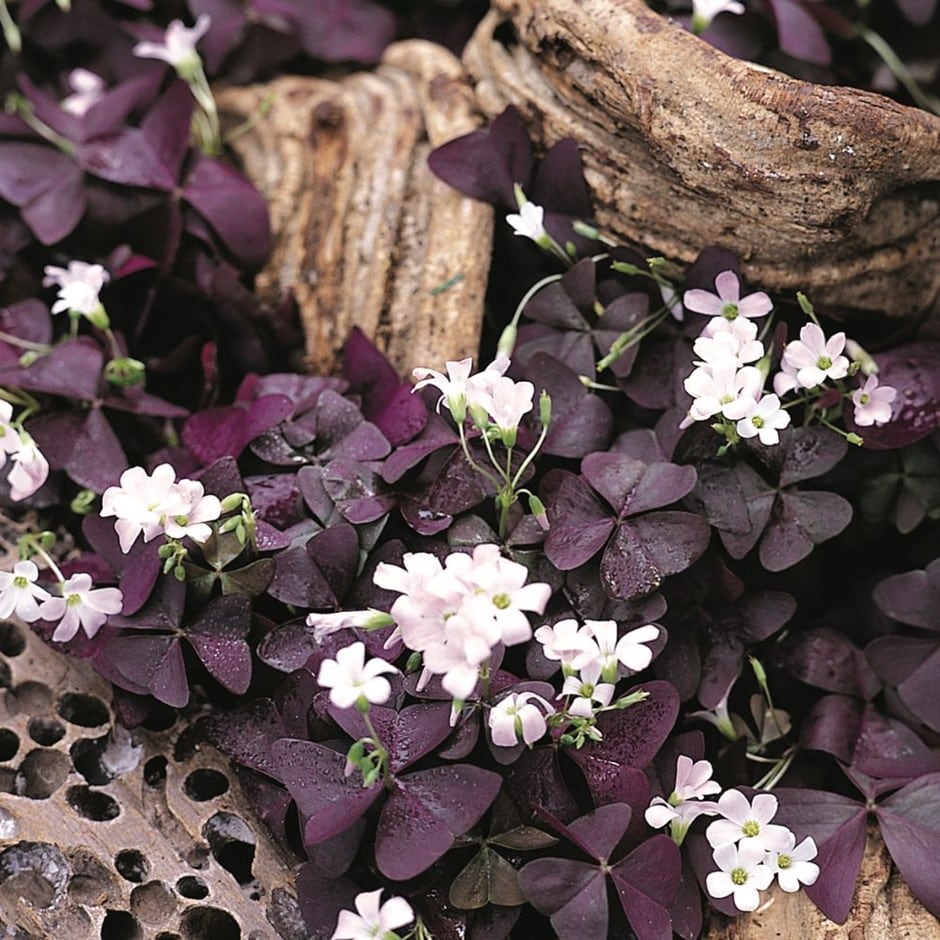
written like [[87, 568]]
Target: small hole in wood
[[34, 871], [120, 925], [155, 772], [192, 887], [88, 711], [92, 883], [9, 744], [92, 804], [132, 865], [232, 843], [6, 675], [34, 698], [205, 784], [46, 731], [198, 856], [41, 774], [153, 903], [209, 923], [12, 641], [164, 935]]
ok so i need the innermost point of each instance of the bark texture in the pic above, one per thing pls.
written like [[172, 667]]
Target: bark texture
[[365, 235], [106, 832], [834, 191]]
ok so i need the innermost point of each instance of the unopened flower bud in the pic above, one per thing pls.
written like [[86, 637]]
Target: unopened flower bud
[[125, 372], [545, 408], [97, 317], [507, 341], [537, 508]]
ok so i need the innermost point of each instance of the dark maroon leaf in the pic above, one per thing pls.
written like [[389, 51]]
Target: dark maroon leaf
[[335, 552], [631, 486], [248, 734], [97, 459], [233, 207], [297, 580], [72, 369], [27, 319], [126, 157], [827, 659], [275, 497], [166, 126], [218, 637], [535, 784], [321, 899], [149, 664], [316, 778], [573, 893], [910, 825], [580, 524], [912, 597], [486, 163], [138, 570], [426, 811], [837, 825], [226, 431], [799, 34], [340, 30], [888, 748], [832, 725], [647, 882], [386, 400]]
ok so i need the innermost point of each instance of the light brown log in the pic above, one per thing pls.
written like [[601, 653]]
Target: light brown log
[[834, 191], [364, 234]]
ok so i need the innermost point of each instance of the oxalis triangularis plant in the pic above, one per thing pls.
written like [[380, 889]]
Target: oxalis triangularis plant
[[639, 605]]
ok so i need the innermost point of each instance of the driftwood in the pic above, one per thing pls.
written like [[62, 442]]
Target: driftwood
[[834, 191], [365, 235], [117, 834]]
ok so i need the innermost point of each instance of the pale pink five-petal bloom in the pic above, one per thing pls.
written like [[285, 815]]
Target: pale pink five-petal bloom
[[179, 43], [373, 921], [351, 679], [811, 359], [728, 302], [873, 402], [629, 650], [80, 606], [724, 390], [748, 822], [794, 866], [693, 779], [189, 511], [29, 471], [79, 286], [19, 592], [87, 90], [685, 803], [519, 716], [568, 643], [588, 690], [765, 421], [742, 874], [728, 341], [529, 222]]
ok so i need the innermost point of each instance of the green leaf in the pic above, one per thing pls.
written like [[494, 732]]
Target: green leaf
[[487, 879]]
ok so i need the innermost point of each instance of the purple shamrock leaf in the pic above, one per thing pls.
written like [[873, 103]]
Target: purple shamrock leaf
[[226, 431]]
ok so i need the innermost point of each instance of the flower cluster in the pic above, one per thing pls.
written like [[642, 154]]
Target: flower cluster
[[455, 613], [77, 606], [30, 468], [727, 383], [748, 849], [158, 504]]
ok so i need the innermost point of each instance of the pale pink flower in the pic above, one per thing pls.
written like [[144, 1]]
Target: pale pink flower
[[568, 643], [728, 346], [765, 421], [453, 386], [179, 45], [529, 222], [29, 471], [87, 91], [793, 866], [812, 359], [372, 922], [326, 624], [629, 650], [742, 874], [188, 512], [351, 680], [519, 716], [507, 403], [79, 287], [588, 690], [704, 11], [140, 503], [80, 606], [726, 390], [677, 816], [873, 402], [748, 822], [9, 437], [20, 594], [693, 779], [728, 302]]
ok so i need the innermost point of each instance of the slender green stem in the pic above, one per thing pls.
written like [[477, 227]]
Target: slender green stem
[[775, 774], [18, 105], [900, 71], [50, 563], [466, 452], [387, 779], [11, 32], [630, 337], [12, 340], [530, 456]]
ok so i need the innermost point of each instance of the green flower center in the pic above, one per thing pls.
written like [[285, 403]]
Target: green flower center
[[73, 600], [757, 421], [784, 861], [751, 828], [20, 582], [181, 520], [739, 876], [730, 311], [726, 399], [502, 601], [824, 362], [864, 398]]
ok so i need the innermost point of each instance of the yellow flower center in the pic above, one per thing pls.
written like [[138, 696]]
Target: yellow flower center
[[739, 876], [751, 828]]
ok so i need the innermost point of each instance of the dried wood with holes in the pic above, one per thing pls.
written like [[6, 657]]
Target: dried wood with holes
[[834, 191], [364, 234]]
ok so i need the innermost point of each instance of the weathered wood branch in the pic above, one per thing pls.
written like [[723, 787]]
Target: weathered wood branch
[[365, 235], [835, 191]]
